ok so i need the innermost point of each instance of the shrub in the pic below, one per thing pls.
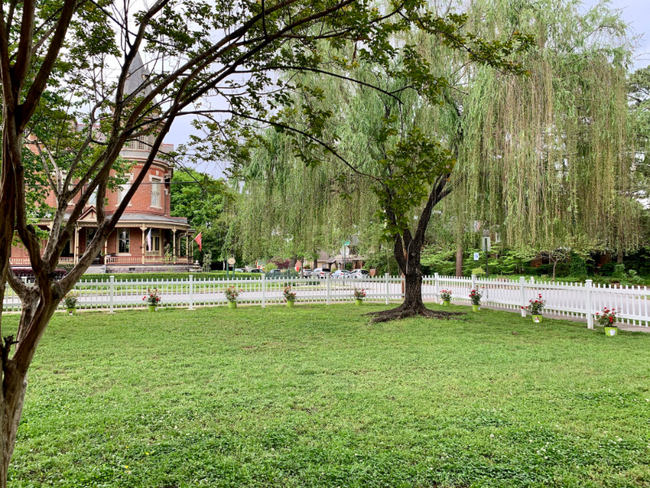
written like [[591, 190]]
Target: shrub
[[270, 266], [578, 267], [480, 272]]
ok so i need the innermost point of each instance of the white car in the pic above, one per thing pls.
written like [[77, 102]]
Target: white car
[[320, 273], [359, 274], [341, 274]]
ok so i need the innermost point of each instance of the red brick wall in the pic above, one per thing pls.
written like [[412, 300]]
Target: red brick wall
[[141, 201]]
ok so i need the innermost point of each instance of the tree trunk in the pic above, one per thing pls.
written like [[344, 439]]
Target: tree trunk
[[413, 304], [619, 257], [459, 260]]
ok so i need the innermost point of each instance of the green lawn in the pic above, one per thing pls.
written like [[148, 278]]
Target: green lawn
[[316, 396]]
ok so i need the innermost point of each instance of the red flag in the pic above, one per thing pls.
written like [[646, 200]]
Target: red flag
[[198, 241]]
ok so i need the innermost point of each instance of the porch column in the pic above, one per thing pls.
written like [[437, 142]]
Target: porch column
[[76, 244], [174, 244], [144, 245]]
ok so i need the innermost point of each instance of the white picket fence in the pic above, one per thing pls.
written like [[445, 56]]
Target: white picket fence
[[564, 299]]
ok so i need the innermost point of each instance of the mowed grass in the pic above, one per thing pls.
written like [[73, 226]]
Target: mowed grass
[[316, 396]]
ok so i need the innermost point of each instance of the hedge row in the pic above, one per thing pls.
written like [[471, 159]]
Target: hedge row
[[167, 276]]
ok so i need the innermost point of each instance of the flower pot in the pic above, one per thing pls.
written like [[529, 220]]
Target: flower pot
[[611, 331], [71, 311], [152, 308], [232, 304], [290, 303], [476, 308], [358, 302], [446, 303], [537, 318]]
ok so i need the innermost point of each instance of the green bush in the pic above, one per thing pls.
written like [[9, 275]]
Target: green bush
[[165, 276], [578, 266], [270, 266], [619, 272], [478, 272]]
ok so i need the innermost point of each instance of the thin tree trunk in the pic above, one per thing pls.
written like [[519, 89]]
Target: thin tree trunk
[[459, 260]]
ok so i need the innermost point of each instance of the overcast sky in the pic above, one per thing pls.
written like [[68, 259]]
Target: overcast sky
[[635, 12]]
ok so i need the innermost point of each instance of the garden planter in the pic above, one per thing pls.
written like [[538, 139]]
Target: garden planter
[[358, 303], [232, 304], [290, 304], [71, 311], [152, 308], [537, 318], [476, 308], [611, 331], [446, 303]]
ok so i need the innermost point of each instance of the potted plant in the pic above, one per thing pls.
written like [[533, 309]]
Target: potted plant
[[475, 297], [446, 297], [231, 295], [535, 308], [70, 301], [152, 298], [607, 319], [289, 296], [359, 295]]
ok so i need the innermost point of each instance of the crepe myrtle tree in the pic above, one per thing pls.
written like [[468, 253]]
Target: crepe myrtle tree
[[69, 105]]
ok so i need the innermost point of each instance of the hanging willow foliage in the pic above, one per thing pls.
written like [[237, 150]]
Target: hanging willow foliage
[[546, 159], [289, 209]]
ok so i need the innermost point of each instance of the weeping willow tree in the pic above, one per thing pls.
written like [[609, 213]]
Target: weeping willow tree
[[546, 159], [291, 210], [543, 159]]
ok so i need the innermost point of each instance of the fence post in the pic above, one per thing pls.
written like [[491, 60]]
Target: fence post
[[387, 276], [191, 292], [329, 290], [473, 282], [112, 292], [263, 290], [590, 317], [522, 292], [436, 287]]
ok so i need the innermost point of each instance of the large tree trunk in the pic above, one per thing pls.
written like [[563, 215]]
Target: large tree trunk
[[413, 304], [459, 260]]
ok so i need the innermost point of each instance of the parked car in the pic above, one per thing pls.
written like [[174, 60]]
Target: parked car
[[320, 273], [306, 272], [256, 270], [341, 274], [28, 276], [239, 270], [274, 273], [359, 274]]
